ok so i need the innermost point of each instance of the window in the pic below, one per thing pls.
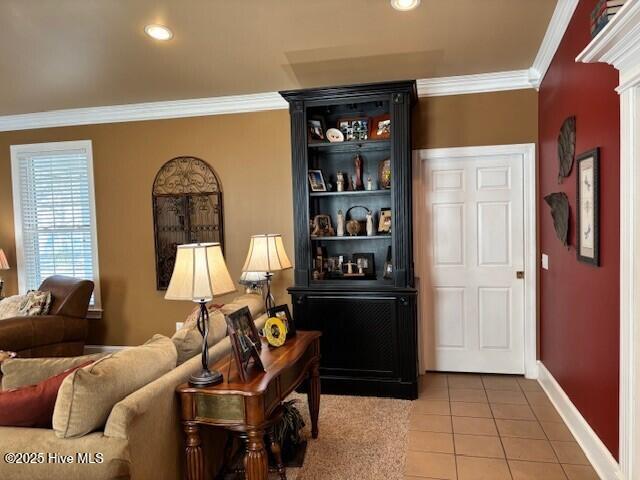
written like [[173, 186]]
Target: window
[[54, 210]]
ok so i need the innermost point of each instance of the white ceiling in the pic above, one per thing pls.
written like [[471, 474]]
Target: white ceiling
[[58, 54]]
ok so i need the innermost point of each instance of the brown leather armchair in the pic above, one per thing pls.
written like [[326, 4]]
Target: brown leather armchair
[[61, 333]]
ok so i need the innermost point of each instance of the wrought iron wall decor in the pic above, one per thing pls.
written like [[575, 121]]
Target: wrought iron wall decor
[[566, 147], [559, 203], [187, 208]]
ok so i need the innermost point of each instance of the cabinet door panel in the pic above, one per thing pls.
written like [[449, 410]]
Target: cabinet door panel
[[359, 335]]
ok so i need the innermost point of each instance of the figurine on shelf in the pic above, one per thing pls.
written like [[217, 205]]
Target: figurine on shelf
[[350, 266], [369, 184], [370, 231], [340, 224], [340, 182], [357, 184]]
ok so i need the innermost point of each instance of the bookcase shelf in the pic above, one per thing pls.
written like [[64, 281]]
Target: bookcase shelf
[[378, 311]]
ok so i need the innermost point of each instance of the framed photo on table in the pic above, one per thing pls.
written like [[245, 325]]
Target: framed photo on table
[[282, 312], [245, 341], [588, 208]]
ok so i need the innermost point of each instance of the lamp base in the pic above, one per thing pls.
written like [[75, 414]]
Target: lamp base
[[205, 378]]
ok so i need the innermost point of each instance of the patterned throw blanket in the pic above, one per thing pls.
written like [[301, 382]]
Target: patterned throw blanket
[[33, 303]]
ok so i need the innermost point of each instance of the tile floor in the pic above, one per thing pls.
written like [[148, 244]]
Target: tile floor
[[489, 427]]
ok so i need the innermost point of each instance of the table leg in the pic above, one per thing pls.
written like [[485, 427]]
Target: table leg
[[256, 466], [277, 454], [193, 451], [313, 397]]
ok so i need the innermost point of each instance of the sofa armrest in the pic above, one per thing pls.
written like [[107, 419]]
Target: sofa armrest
[[112, 463], [22, 333]]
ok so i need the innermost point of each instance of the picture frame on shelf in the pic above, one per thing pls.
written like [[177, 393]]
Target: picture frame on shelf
[[322, 226], [282, 312], [588, 207], [384, 221], [316, 181], [367, 262], [354, 128], [245, 341], [380, 127], [316, 129]]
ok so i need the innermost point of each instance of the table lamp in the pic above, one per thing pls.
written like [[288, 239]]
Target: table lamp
[[267, 254], [200, 274], [254, 281], [4, 265]]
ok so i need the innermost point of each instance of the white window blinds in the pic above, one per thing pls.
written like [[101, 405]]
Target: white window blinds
[[55, 213]]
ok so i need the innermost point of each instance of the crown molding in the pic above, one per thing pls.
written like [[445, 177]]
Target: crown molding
[[478, 83], [552, 38], [618, 44], [196, 107]]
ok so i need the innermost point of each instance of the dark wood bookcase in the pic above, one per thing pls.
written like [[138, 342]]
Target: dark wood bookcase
[[368, 322]]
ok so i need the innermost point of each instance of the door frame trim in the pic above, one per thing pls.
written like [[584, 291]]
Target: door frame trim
[[529, 165]]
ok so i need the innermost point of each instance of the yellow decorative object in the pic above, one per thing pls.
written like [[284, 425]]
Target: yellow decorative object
[[275, 331]]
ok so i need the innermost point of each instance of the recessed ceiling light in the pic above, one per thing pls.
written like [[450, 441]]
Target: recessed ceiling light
[[158, 32], [405, 5]]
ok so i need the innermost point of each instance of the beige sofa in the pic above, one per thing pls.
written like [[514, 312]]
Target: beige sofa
[[142, 438]]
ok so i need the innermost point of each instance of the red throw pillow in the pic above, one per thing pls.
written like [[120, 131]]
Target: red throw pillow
[[32, 406]]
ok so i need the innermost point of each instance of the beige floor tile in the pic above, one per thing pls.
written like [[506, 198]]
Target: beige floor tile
[[546, 413], [471, 409], [528, 449], [536, 471], [580, 472], [465, 381], [506, 396], [478, 446], [529, 385], [467, 395], [497, 382], [474, 426], [520, 429], [431, 407], [537, 398], [512, 412], [434, 393], [472, 468], [569, 452], [557, 431], [433, 380], [431, 465], [430, 423], [430, 442]]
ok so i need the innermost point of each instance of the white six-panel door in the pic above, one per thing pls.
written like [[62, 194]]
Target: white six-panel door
[[476, 249]]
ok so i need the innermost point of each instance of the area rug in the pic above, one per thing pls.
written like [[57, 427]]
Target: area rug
[[361, 438]]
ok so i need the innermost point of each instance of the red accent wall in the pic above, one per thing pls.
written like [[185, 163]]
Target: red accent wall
[[579, 303]]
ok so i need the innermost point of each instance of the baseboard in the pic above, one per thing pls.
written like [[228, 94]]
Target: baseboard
[[597, 453], [90, 349]]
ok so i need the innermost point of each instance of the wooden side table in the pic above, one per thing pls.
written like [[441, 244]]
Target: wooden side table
[[252, 407]]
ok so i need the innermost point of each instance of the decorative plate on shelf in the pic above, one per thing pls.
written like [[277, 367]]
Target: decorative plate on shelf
[[335, 135], [275, 331]]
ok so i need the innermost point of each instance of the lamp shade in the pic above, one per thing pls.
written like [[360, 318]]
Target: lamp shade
[[4, 264], [199, 273], [251, 278], [266, 254]]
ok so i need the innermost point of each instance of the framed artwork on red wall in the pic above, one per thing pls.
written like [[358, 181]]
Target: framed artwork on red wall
[[588, 208]]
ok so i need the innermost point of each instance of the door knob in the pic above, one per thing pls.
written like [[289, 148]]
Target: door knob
[[520, 274]]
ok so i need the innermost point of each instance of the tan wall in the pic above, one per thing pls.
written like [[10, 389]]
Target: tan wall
[[498, 118], [251, 154]]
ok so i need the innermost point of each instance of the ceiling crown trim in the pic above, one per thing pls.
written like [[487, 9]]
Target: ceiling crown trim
[[555, 31], [196, 107], [478, 83]]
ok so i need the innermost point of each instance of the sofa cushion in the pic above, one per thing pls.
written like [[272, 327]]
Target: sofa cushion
[[32, 406], [87, 396], [35, 303], [10, 306], [188, 340], [19, 372]]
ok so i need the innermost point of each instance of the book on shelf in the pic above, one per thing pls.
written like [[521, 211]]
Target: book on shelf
[[602, 14]]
